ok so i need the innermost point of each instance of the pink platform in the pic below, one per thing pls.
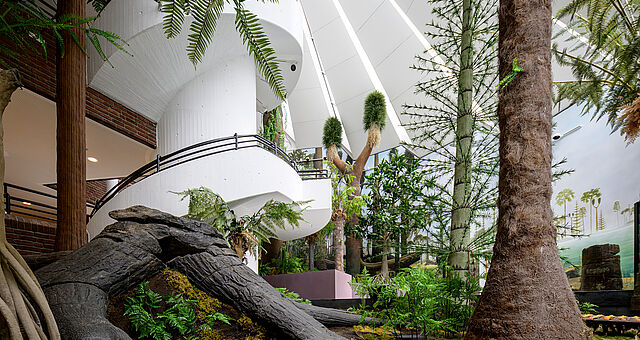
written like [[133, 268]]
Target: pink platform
[[317, 285]]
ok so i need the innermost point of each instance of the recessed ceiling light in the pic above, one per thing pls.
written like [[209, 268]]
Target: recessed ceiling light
[[26, 203], [92, 159]]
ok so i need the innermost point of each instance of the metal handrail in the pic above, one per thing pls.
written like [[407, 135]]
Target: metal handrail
[[15, 203], [201, 150]]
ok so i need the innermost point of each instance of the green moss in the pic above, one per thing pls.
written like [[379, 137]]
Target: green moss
[[257, 332], [205, 304]]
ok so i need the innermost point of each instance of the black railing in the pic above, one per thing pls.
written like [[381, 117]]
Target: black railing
[[31, 203], [201, 150]]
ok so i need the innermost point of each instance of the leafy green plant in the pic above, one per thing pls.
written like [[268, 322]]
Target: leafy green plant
[[179, 317], [420, 300], [292, 295], [142, 310], [587, 307], [245, 233], [217, 316], [398, 191], [288, 263]]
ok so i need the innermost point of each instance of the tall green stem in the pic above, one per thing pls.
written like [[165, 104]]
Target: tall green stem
[[461, 210]]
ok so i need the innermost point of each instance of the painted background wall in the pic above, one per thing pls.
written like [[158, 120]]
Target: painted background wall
[[601, 161]]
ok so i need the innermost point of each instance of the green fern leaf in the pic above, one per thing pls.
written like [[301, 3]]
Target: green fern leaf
[[205, 17]]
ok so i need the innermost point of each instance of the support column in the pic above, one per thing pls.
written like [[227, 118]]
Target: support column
[[70, 137]]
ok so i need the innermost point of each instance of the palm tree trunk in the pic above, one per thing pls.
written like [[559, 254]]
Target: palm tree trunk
[[527, 294], [461, 211], [338, 240], [71, 142]]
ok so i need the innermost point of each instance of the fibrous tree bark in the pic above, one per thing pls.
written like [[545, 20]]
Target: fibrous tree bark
[[527, 294], [71, 163], [143, 242]]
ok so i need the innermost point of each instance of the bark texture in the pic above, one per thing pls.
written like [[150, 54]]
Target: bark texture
[[338, 239], [527, 294], [143, 242], [353, 244], [71, 163]]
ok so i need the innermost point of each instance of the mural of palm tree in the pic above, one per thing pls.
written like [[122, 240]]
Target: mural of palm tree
[[588, 198], [596, 199], [616, 209], [564, 196]]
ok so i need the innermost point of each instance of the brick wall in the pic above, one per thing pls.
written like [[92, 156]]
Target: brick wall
[[30, 236], [38, 74]]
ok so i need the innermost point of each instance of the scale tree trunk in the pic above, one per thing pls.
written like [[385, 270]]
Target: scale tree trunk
[[71, 145], [461, 210], [527, 294], [338, 240]]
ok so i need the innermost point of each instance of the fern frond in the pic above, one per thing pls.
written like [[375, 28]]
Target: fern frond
[[205, 18], [174, 11], [259, 46]]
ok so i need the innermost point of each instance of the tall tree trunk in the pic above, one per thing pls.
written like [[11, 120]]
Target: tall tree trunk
[[338, 239], [527, 294], [271, 250], [461, 211], [317, 156], [311, 255], [71, 144], [384, 269]]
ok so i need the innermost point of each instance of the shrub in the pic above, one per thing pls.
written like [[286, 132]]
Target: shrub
[[420, 299]]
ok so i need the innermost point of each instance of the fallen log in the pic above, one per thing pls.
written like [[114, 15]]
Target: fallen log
[[334, 317], [405, 261], [144, 241]]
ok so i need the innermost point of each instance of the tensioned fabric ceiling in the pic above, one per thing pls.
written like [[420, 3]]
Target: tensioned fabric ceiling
[[353, 47]]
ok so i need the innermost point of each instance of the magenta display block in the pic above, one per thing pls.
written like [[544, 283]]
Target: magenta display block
[[317, 285]]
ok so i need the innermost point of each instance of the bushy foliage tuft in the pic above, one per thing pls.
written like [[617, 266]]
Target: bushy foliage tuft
[[332, 134], [375, 110], [247, 232]]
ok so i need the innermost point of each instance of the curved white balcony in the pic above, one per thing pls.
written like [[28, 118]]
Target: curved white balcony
[[246, 175]]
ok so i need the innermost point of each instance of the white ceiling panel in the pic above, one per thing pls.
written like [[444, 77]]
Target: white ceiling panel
[[360, 11], [334, 44]]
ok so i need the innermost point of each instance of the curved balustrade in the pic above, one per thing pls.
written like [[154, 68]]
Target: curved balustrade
[[201, 150]]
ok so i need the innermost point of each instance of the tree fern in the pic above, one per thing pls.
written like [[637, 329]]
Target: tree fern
[[245, 232], [604, 60]]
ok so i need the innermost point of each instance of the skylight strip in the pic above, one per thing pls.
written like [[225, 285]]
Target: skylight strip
[[332, 108], [373, 76]]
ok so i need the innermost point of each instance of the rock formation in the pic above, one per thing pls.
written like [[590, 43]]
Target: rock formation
[[601, 268], [144, 241]]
